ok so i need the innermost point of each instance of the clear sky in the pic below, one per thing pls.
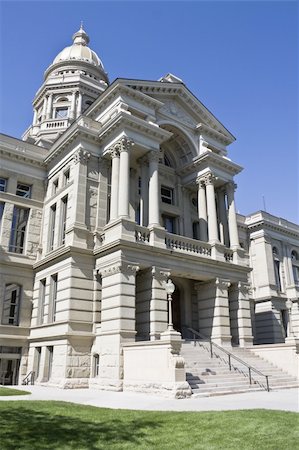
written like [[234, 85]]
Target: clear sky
[[239, 58]]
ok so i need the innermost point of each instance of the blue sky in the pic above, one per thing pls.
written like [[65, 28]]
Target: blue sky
[[239, 58]]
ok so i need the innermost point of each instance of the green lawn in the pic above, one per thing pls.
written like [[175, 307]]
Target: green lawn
[[4, 392], [42, 425]]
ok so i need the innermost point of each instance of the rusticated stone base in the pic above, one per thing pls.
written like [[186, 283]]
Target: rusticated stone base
[[106, 385], [176, 390], [66, 383]]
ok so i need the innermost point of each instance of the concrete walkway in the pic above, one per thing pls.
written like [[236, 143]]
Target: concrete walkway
[[287, 400]]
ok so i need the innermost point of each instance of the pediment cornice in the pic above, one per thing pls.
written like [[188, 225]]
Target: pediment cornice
[[212, 160], [180, 91]]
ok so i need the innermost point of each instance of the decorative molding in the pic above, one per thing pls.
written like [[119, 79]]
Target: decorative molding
[[160, 274], [154, 156], [244, 287], [172, 109]]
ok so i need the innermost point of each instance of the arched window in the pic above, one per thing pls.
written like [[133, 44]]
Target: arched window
[[276, 262], [96, 365], [295, 266]]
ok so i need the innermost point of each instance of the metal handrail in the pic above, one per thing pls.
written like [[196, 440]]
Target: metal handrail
[[231, 356], [29, 379]]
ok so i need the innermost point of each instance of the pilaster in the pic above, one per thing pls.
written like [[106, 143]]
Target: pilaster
[[158, 303]]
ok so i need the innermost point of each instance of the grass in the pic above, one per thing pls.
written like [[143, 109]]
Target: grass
[[50, 425], [4, 392]]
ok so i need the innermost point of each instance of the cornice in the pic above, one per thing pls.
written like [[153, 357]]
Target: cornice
[[217, 161], [21, 151], [115, 89], [125, 119], [264, 225], [209, 131]]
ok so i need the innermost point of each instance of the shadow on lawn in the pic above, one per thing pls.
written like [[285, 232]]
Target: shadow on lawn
[[24, 429]]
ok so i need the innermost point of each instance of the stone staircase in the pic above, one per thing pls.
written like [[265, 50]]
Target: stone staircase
[[211, 376]]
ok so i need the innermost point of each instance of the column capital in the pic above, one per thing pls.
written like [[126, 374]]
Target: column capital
[[231, 185], [222, 283], [245, 287], [81, 156], [209, 178], [153, 156], [124, 144], [120, 267], [160, 274], [200, 181]]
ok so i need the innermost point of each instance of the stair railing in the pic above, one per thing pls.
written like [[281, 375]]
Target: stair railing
[[230, 357], [30, 378]]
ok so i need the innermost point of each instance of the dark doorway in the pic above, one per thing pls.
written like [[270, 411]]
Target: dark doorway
[[176, 310]]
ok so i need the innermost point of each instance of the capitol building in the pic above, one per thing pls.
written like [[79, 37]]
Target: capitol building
[[124, 263]]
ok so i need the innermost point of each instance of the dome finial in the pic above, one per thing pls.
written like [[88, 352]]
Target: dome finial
[[81, 37]]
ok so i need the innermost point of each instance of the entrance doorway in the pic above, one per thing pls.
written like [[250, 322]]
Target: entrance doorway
[[9, 371]]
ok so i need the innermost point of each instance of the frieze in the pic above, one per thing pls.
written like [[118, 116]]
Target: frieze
[[173, 109]]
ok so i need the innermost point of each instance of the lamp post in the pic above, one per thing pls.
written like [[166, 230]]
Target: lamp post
[[170, 288]]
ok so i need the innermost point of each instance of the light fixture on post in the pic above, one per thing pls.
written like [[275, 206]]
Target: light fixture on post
[[170, 288]]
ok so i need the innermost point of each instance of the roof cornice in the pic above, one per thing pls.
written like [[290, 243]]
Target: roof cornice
[[214, 159]]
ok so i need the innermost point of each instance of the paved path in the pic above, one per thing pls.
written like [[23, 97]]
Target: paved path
[[287, 400]]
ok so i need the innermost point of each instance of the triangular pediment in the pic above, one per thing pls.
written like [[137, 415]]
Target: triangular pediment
[[180, 104]]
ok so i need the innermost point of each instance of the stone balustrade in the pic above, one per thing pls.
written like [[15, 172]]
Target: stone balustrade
[[187, 245]]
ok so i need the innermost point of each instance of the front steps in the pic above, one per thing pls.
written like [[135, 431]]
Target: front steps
[[211, 376]]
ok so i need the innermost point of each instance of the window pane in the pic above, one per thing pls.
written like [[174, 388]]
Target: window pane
[[3, 182], [61, 113], [23, 190], [167, 195], [52, 226], [10, 315], [18, 229]]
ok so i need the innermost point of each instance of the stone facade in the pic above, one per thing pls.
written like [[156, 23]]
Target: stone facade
[[114, 189]]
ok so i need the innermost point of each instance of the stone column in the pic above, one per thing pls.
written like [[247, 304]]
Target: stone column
[[224, 238], [232, 217], [154, 194], [202, 210], [125, 145], [73, 106], [117, 321], [49, 107], [114, 184], [79, 104], [211, 207], [34, 117], [221, 333], [144, 192], [44, 110], [158, 303]]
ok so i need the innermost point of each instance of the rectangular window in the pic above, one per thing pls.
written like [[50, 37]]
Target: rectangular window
[[42, 299], [53, 298], [169, 224], [63, 216], [3, 184], [23, 190], [66, 177], [52, 226], [55, 186], [61, 113], [277, 274], [18, 230], [1, 211], [167, 195], [11, 304]]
